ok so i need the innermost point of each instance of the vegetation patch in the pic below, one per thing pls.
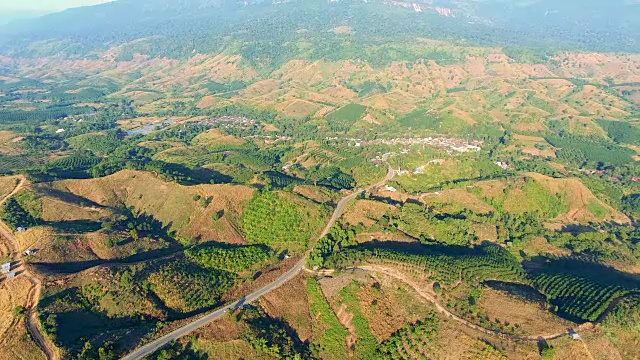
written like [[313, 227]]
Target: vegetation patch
[[272, 337], [229, 257], [344, 118], [99, 143], [271, 218], [328, 331], [187, 287], [582, 290], [531, 197], [580, 151], [444, 264], [621, 132], [15, 215], [366, 344], [412, 341], [421, 119]]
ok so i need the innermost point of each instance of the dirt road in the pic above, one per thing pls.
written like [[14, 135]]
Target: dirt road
[[155, 345], [36, 286], [440, 308]]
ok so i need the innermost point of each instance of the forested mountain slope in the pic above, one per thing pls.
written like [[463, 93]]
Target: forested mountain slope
[[268, 30]]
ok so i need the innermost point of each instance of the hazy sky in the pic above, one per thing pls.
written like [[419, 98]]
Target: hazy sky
[[44, 5]]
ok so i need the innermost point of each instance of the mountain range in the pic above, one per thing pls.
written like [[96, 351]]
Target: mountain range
[[80, 32]]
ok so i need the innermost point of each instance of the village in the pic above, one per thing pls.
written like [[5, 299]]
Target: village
[[454, 144]]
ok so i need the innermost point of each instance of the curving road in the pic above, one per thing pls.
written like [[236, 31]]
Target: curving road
[[442, 309], [153, 346], [34, 293]]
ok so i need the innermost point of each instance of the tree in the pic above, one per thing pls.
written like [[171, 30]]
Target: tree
[[19, 312]]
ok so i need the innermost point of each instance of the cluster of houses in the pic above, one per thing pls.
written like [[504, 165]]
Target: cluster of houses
[[231, 121], [419, 7], [454, 144], [602, 172], [268, 139]]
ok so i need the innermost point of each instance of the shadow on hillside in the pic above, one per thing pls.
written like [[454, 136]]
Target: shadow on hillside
[[576, 229], [275, 329], [386, 200], [80, 323], [420, 248], [582, 267], [53, 269], [584, 270], [227, 246], [522, 291], [75, 226], [69, 197]]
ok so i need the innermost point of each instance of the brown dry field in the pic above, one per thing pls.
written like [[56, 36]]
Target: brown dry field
[[9, 143], [527, 145], [534, 319], [301, 87], [290, 302], [540, 246], [396, 304], [485, 232], [222, 339], [316, 193], [7, 184], [396, 236], [57, 210], [15, 341], [267, 276], [594, 345], [79, 247], [128, 124], [346, 319], [216, 137], [390, 308], [170, 203], [34, 237], [230, 350], [365, 212], [456, 200], [455, 341]]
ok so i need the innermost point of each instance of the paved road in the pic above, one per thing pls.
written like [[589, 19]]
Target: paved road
[[153, 346]]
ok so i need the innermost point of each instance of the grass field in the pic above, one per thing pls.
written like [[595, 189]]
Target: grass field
[[16, 342]]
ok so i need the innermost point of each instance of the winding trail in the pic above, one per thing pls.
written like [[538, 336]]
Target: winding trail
[[431, 298], [155, 345], [33, 325]]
